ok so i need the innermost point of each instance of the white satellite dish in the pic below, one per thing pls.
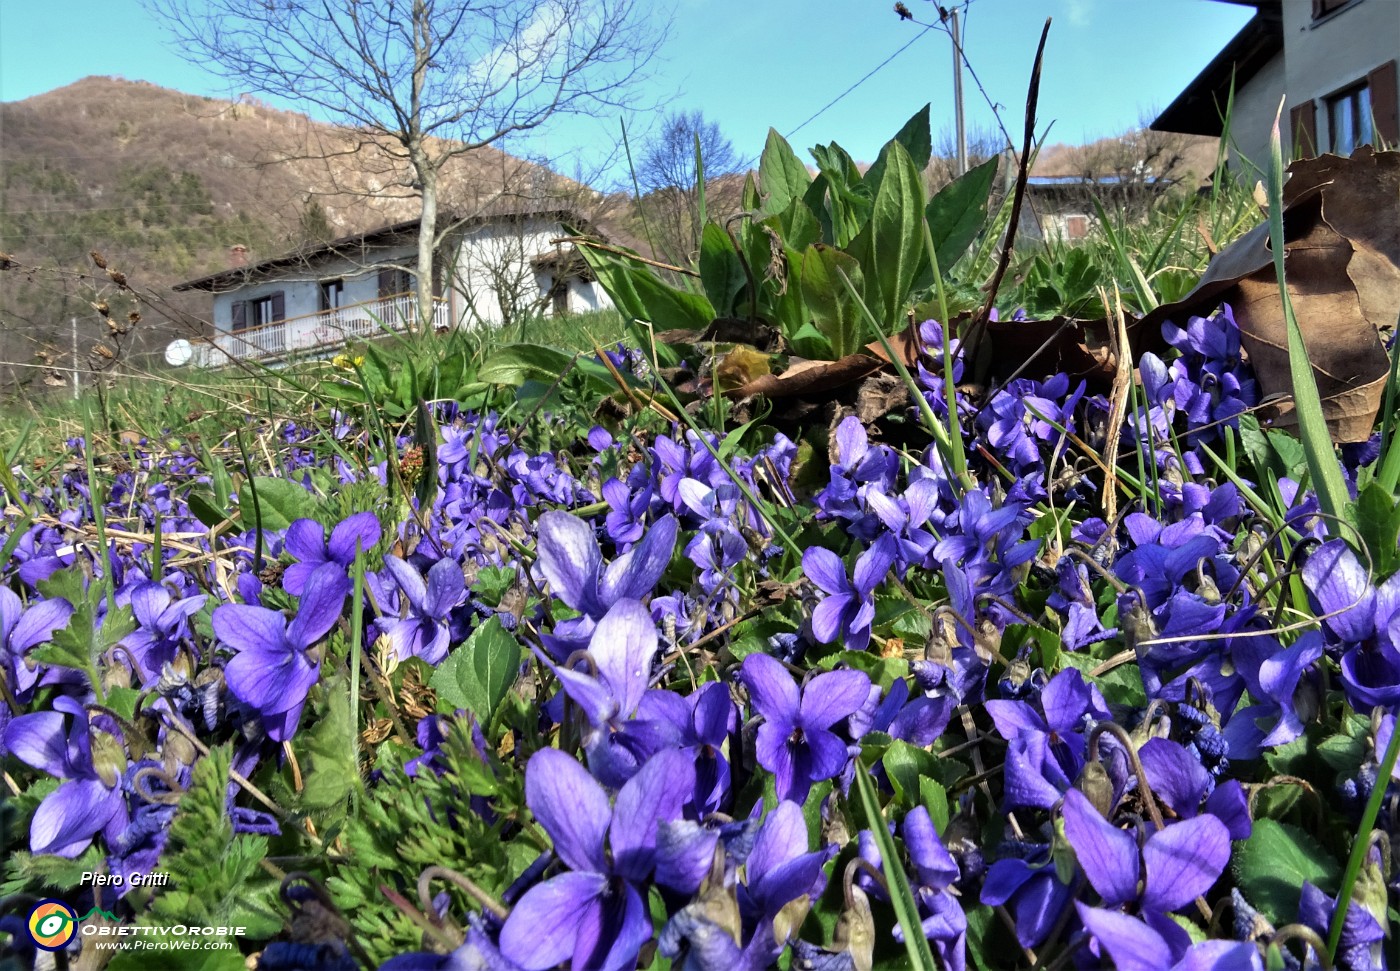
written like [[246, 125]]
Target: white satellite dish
[[178, 352]]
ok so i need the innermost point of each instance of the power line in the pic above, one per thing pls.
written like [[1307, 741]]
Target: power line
[[873, 71], [836, 100]]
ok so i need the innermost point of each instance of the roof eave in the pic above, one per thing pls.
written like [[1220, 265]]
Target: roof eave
[[1198, 110], [381, 238]]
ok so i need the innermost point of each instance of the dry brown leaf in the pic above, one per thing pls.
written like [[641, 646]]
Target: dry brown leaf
[[811, 377], [1342, 246]]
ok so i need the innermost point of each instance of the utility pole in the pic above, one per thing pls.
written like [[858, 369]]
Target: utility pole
[[958, 94], [73, 326]]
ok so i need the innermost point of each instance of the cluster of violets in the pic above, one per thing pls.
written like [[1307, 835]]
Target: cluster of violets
[[1115, 825]]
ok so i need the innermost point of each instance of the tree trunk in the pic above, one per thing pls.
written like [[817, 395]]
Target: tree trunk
[[427, 233]]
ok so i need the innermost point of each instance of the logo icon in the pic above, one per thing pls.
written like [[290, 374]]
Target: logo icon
[[53, 924]]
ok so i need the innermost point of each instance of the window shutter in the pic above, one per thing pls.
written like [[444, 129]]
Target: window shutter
[[240, 315], [1303, 119], [1384, 94], [386, 282], [279, 305]]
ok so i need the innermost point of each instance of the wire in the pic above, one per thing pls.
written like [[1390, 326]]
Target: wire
[[836, 100], [873, 71]]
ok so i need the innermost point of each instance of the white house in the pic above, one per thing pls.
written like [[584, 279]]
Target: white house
[[493, 268], [1335, 60]]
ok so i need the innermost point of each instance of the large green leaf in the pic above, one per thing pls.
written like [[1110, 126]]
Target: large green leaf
[[1272, 864], [721, 272], [917, 140], [514, 364], [958, 212], [832, 308], [616, 274], [891, 247], [847, 205], [280, 502], [478, 674], [797, 225], [781, 174], [329, 743], [785, 304], [425, 436], [670, 309]]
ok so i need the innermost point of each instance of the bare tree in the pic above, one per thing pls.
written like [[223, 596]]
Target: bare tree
[[982, 144], [1134, 168], [425, 80], [666, 173]]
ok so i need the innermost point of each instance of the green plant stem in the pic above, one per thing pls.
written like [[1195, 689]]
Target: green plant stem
[[257, 506], [906, 910], [1362, 845], [1390, 464], [97, 499], [1312, 426], [950, 394], [357, 633]]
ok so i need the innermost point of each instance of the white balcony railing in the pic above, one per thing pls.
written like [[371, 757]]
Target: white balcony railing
[[316, 334]]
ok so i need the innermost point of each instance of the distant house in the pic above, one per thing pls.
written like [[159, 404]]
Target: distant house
[[494, 267], [1335, 60], [1061, 207]]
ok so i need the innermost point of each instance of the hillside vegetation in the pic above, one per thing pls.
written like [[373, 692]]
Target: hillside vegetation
[[163, 183]]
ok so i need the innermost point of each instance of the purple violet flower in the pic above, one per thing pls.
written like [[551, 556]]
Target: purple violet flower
[[572, 563], [1134, 946], [1181, 862], [306, 541], [848, 610], [595, 913], [91, 763], [426, 629], [795, 741], [275, 666]]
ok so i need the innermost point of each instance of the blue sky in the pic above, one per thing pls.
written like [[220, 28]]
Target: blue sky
[[752, 64]]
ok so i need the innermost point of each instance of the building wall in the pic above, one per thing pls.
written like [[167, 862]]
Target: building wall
[[302, 286], [491, 259], [1337, 50], [495, 279], [1252, 120], [1320, 58]]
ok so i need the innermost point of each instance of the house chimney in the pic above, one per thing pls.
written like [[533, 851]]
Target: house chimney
[[237, 255]]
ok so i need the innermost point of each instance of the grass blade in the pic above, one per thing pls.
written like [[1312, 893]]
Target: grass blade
[[1323, 467], [905, 909]]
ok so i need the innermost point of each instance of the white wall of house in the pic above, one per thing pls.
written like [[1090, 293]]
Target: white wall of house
[[1337, 50], [1321, 57], [1252, 120], [491, 260], [301, 286], [495, 277]]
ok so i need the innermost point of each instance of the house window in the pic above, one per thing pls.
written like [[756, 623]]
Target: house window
[[1349, 120], [1322, 8], [332, 294], [1076, 226], [559, 297], [259, 311], [267, 310], [393, 281]]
